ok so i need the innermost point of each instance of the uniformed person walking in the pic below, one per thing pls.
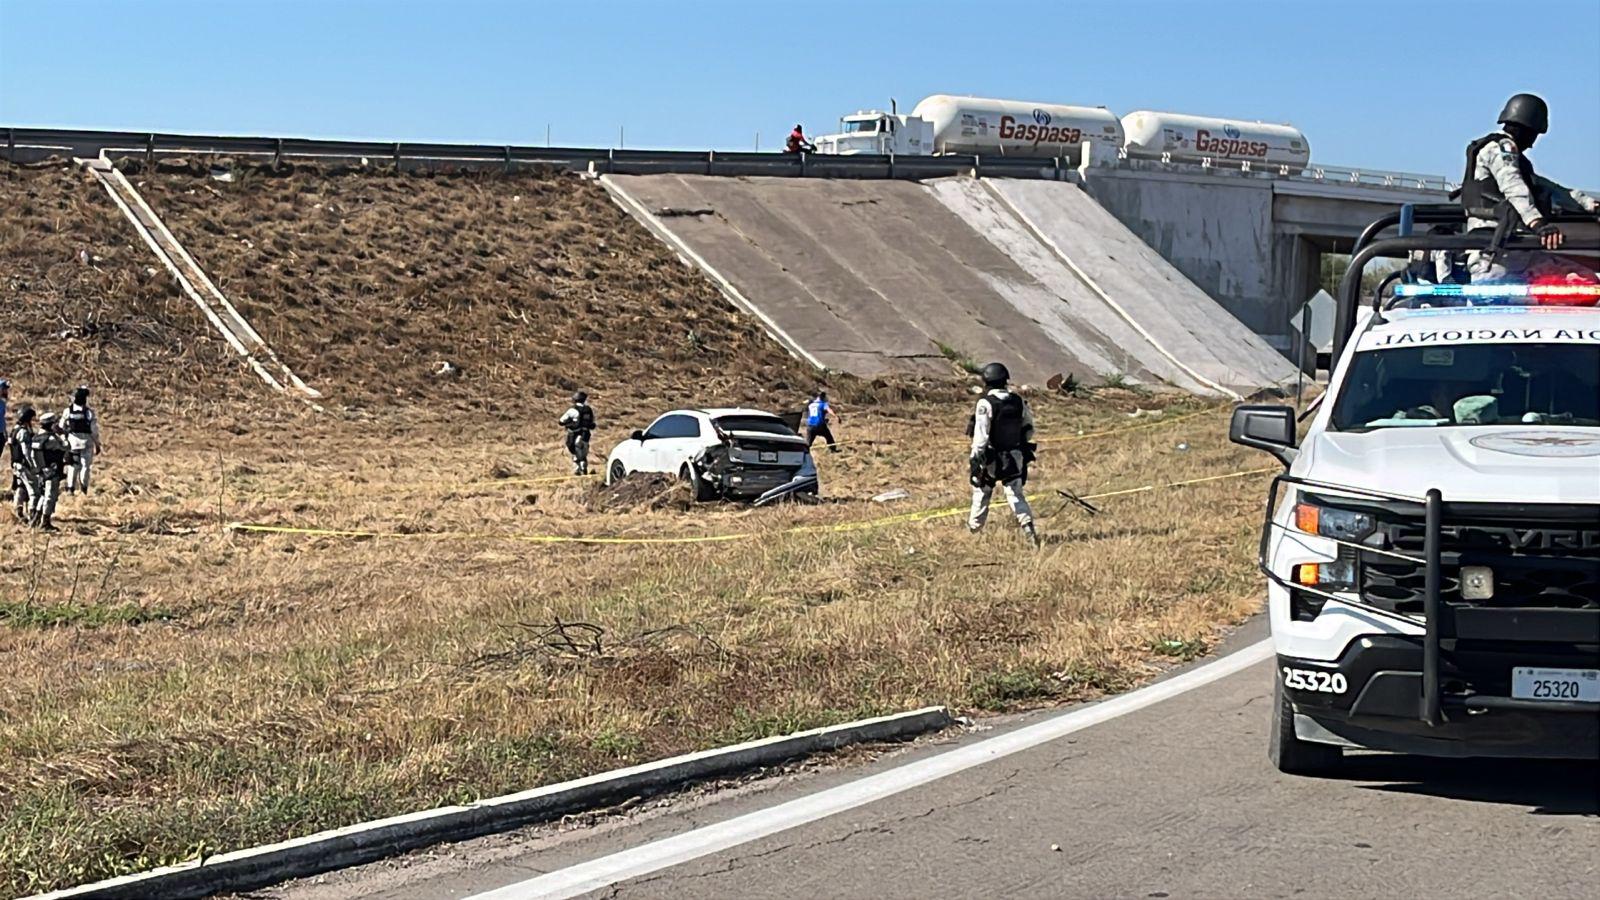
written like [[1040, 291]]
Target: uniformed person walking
[[50, 461], [82, 429], [1500, 188], [1002, 447], [24, 471], [578, 420]]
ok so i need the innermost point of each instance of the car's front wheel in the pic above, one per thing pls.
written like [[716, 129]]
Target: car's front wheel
[[1287, 751], [617, 472]]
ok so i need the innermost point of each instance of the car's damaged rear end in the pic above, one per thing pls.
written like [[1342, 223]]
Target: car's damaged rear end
[[757, 458]]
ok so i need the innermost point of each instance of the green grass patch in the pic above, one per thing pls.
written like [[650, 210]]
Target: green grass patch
[[35, 614], [962, 361], [1183, 649], [999, 690]]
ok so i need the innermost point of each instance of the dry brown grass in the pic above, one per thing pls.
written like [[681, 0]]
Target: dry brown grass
[[175, 687], [532, 284]]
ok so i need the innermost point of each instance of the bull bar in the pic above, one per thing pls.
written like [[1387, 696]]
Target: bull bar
[[1437, 626]]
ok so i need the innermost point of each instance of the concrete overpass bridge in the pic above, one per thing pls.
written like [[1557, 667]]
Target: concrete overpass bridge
[[1255, 244]]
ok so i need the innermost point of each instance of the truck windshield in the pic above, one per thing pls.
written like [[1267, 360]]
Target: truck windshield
[[1470, 385], [861, 126]]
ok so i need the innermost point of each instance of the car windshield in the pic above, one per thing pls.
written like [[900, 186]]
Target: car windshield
[[861, 126], [765, 424], [1471, 385]]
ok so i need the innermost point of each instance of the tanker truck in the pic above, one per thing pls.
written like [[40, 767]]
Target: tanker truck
[[944, 123], [979, 126]]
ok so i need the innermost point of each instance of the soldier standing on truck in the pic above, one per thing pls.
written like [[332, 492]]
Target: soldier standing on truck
[[1500, 187], [82, 429], [24, 471], [1002, 447], [578, 420]]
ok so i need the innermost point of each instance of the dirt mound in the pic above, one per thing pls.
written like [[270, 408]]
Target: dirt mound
[[641, 492], [471, 289], [83, 301]]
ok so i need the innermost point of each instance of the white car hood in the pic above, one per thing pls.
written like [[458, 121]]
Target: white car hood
[[1505, 464]]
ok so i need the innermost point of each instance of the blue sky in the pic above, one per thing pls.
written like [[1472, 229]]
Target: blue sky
[[1378, 85]]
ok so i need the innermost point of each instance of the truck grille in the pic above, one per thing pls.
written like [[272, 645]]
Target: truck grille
[[1553, 566]]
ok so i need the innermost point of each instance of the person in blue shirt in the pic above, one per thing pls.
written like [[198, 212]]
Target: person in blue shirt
[[818, 414]]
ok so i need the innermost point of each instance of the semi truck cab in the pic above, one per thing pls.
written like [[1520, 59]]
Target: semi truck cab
[[880, 133], [1432, 550]]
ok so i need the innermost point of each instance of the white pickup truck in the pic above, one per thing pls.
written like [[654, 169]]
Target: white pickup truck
[[1433, 548]]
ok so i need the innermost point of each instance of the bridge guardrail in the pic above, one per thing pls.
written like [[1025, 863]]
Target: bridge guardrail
[[35, 142]]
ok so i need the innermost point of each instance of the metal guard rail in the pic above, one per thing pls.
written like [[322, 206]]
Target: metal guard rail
[[88, 142]]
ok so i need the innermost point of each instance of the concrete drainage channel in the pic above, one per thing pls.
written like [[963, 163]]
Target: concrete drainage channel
[[194, 282], [257, 867]]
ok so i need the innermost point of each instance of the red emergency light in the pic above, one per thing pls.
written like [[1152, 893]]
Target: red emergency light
[[1557, 290]]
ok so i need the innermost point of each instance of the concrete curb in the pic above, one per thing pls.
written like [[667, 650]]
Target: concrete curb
[[340, 848]]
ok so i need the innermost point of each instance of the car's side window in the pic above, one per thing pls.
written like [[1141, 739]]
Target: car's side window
[[676, 426]]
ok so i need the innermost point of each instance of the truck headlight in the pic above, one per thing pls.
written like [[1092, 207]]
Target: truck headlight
[[1340, 524], [1339, 575]]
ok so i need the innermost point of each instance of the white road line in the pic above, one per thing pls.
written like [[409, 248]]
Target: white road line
[[667, 852]]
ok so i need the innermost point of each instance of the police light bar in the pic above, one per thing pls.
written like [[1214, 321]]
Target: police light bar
[[1528, 294]]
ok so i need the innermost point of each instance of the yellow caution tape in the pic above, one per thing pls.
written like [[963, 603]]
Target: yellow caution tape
[[553, 479], [900, 519], [544, 479]]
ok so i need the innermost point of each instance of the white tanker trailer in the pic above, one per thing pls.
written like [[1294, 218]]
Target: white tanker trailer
[[981, 126], [1192, 138]]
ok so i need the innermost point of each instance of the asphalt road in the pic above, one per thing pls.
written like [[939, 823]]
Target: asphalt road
[[1173, 800]]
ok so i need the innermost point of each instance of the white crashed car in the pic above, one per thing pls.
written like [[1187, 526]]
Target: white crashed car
[[730, 454]]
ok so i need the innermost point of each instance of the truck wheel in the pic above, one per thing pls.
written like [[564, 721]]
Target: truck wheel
[[617, 473], [1291, 755], [703, 493]]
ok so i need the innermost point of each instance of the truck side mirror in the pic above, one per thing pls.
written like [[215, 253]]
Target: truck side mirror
[[1269, 428], [637, 435]]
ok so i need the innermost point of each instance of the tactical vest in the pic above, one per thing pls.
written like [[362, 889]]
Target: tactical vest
[[50, 452], [78, 421], [1005, 422], [19, 441], [1481, 197], [585, 418]]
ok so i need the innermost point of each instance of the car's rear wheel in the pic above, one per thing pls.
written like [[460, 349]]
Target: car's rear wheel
[[702, 491], [617, 473], [1288, 752]]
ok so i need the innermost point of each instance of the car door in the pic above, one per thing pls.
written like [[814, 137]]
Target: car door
[[669, 441], [681, 443]]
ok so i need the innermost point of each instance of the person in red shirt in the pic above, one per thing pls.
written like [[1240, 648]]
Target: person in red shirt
[[798, 143]]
